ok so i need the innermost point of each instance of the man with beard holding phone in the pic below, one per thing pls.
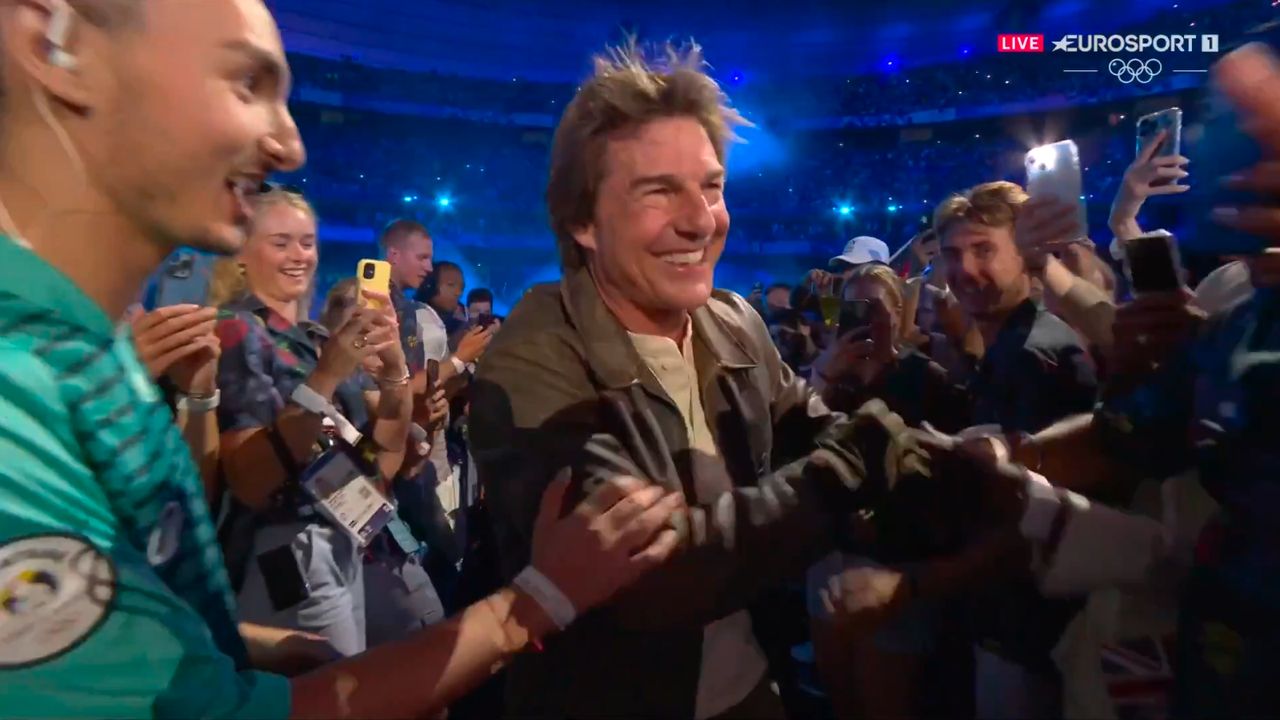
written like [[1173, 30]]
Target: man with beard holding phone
[[1033, 372]]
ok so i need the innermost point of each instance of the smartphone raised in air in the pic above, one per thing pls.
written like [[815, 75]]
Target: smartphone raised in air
[[1151, 261], [433, 376], [1169, 121], [1053, 171], [374, 276], [854, 315]]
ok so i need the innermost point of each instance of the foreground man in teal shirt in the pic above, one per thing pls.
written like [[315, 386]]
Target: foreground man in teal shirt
[[132, 127]]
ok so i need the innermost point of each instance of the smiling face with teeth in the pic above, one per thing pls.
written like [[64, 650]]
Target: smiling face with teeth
[[280, 257], [188, 116], [659, 224]]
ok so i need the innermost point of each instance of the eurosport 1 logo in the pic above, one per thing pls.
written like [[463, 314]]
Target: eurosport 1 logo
[[1127, 70]]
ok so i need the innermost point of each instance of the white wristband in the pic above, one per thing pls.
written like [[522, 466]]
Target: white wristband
[[549, 597], [1042, 508], [199, 405], [458, 365], [305, 397]]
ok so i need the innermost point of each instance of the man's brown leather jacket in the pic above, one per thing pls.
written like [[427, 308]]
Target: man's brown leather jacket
[[562, 386]]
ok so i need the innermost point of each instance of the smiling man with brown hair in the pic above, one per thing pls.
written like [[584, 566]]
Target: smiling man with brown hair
[[634, 362]]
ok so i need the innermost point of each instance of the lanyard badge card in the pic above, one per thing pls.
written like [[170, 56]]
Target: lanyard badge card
[[346, 494]]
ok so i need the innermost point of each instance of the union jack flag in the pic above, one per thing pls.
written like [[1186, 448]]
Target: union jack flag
[[1138, 673]]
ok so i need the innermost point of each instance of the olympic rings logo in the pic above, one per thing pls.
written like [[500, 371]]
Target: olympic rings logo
[[1135, 70]]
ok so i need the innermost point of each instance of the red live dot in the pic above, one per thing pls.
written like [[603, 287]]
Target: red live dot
[[1020, 42]]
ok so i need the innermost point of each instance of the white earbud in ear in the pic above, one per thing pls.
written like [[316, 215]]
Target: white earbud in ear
[[56, 36]]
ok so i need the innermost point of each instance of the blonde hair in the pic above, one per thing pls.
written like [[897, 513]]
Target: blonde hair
[[626, 91], [228, 273], [993, 204], [882, 274]]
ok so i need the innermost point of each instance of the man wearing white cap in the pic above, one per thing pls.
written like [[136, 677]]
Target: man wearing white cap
[[858, 251]]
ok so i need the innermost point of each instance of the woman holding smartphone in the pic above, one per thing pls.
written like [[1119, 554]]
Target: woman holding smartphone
[[283, 379], [400, 596], [867, 361], [875, 667]]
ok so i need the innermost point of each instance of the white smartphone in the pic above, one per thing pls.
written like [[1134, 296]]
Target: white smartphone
[[1053, 171], [1170, 121]]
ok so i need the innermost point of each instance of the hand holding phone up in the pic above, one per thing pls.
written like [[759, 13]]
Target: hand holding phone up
[[1152, 173], [1046, 225]]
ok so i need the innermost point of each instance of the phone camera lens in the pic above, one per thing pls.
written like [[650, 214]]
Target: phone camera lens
[[369, 272]]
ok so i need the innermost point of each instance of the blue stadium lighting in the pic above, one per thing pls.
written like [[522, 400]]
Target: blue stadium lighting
[[845, 210], [444, 202], [964, 51], [409, 198], [892, 208]]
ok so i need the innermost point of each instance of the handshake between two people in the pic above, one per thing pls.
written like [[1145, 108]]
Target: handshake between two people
[[870, 485]]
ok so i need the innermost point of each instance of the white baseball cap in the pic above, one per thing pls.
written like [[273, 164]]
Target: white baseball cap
[[863, 249]]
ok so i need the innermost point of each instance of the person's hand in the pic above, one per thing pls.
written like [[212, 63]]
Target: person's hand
[[391, 355], [286, 652], [984, 488], [616, 534], [417, 454], [1147, 176], [1046, 225], [821, 281], [1250, 79], [864, 597], [849, 357], [439, 410], [178, 341], [473, 344], [1150, 329], [951, 318], [366, 332]]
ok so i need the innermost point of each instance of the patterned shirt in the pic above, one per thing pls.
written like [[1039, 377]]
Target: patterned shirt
[[265, 358], [114, 600]]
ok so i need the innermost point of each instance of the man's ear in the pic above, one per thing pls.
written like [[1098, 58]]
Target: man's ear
[[586, 237], [49, 43], [393, 254]]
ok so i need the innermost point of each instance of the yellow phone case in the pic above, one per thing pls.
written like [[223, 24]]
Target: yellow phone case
[[375, 276]]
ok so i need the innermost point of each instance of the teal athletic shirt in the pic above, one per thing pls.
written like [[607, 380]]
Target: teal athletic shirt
[[114, 600]]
